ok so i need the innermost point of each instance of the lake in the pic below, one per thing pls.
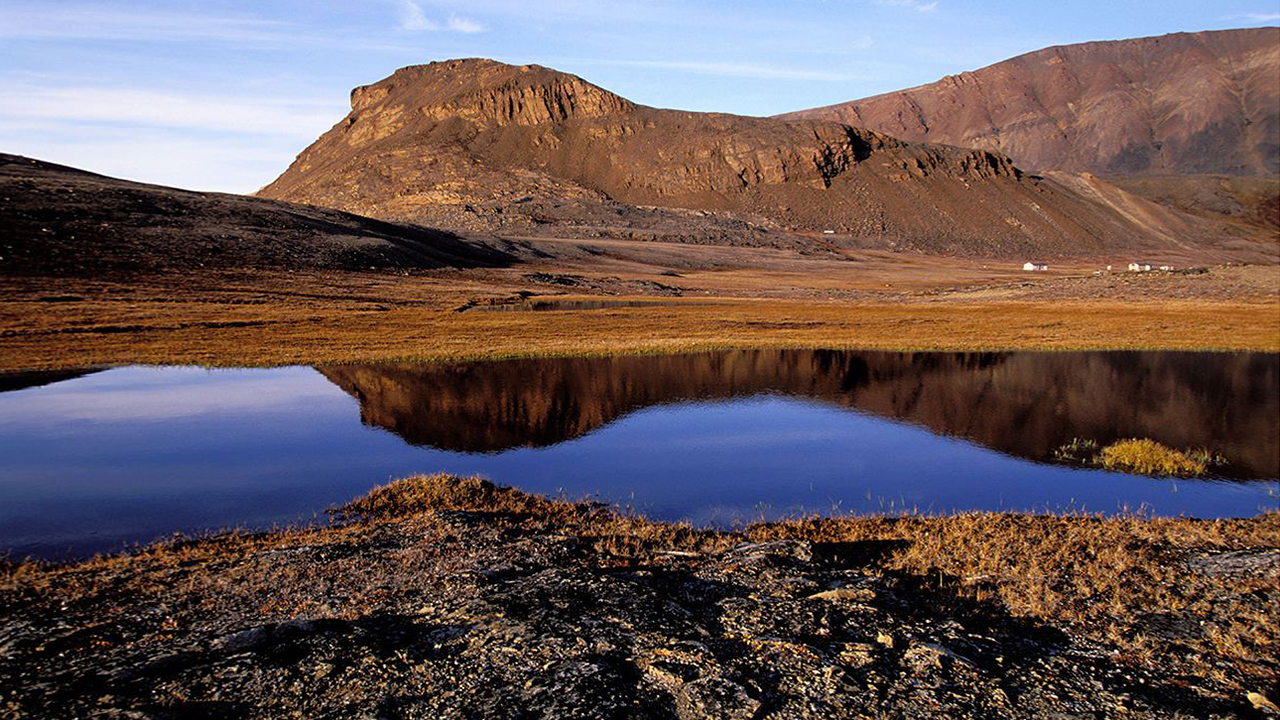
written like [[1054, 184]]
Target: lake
[[95, 460]]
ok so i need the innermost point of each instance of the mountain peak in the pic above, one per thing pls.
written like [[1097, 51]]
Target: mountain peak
[[487, 92], [478, 145]]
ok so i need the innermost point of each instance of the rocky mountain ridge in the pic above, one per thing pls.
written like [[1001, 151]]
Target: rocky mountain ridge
[[477, 144], [1185, 103]]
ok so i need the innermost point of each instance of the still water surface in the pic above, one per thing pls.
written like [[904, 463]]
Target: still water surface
[[92, 461]]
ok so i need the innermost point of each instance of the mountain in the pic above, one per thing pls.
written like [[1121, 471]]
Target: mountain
[[1024, 404], [1187, 103], [1252, 202], [477, 144], [62, 221]]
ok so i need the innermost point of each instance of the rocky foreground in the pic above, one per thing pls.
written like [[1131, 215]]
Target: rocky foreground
[[441, 597]]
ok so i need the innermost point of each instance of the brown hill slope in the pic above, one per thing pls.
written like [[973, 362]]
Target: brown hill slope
[[1186, 103], [466, 142], [1248, 201], [62, 221]]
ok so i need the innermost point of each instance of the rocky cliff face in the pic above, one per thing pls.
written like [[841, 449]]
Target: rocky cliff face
[[488, 94], [475, 144], [1187, 103]]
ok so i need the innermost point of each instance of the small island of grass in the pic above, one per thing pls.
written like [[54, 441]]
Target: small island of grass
[[1140, 456]]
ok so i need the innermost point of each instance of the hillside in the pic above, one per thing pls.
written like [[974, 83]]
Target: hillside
[[1188, 103], [476, 144], [63, 221], [1244, 201]]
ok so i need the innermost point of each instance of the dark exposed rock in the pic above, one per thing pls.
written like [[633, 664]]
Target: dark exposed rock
[[505, 623], [1238, 563]]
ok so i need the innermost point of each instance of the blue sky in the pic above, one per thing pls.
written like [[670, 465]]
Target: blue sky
[[221, 95]]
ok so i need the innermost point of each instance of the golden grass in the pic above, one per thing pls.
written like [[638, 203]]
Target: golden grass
[[346, 319], [612, 529], [1141, 456], [422, 493], [1098, 575], [1148, 457]]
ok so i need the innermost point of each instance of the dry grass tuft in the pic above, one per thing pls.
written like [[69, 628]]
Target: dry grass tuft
[[425, 493], [1148, 457], [621, 534]]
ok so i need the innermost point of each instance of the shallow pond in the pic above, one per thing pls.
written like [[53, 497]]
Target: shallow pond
[[94, 460]]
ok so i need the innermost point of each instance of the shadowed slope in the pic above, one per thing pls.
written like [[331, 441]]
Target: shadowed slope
[[11, 381], [62, 221]]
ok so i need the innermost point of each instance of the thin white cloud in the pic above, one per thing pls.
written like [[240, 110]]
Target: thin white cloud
[[293, 118], [1254, 17], [54, 20], [413, 19], [463, 25], [225, 163], [916, 5]]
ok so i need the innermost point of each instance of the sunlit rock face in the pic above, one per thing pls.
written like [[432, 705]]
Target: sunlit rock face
[[481, 145]]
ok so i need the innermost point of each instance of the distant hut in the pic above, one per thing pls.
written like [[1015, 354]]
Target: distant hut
[[1139, 267], [1035, 266]]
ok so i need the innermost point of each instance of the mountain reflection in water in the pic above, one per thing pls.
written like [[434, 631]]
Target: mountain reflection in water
[[91, 460], [1025, 404]]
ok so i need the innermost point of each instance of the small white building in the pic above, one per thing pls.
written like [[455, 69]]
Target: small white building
[[1167, 268], [1139, 267], [1035, 266]]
